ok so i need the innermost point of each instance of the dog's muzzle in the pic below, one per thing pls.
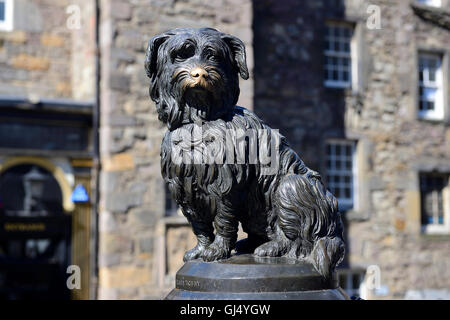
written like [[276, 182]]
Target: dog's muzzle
[[197, 77]]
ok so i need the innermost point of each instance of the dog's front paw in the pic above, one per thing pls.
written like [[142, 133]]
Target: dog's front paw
[[214, 253], [219, 249], [194, 253], [271, 249]]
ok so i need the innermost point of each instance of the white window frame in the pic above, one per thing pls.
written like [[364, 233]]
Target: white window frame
[[435, 228], [352, 67], [432, 3], [438, 112], [344, 203], [7, 23]]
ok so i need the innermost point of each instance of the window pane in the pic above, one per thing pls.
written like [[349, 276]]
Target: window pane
[[329, 149], [432, 186], [337, 193], [440, 209], [432, 75], [340, 171], [335, 61], [335, 75], [429, 94], [329, 61], [347, 193], [347, 33], [420, 91], [338, 149], [348, 150], [421, 105], [355, 281], [338, 49], [435, 3], [431, 63], [333, 31], [2, 10], [430, 85], [331, 45], [346, 47], [345, 76], [421, 63]]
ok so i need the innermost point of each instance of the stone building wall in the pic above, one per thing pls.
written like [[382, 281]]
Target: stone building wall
[[393, 146], [139, 248], [132, 198], [401, 146], [47, 88], [81, 21], [35, 55], [45, 57]]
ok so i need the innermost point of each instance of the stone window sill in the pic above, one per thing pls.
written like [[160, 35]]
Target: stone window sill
[[355, 215], [435, 237]]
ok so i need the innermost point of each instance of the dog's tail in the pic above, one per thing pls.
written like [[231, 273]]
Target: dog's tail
[[309, 213], [326, 254]]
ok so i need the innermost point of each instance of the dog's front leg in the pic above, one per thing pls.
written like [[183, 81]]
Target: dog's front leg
[[205, 235], [226, 225]]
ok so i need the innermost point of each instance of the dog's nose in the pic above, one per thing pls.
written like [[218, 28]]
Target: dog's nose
[[198, 73]]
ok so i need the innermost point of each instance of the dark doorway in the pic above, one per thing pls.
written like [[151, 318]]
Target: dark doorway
[[35, 235]]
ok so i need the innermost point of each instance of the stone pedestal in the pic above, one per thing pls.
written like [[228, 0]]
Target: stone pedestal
[[253, 278]]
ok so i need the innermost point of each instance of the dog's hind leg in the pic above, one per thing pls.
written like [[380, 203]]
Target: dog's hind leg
[[308, 216], [286, 240], [277, 247]]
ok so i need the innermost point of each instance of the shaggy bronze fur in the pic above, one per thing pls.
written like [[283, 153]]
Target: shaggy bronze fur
[[285, 212]]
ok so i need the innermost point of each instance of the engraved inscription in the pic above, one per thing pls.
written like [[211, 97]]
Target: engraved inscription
[[187, 283]]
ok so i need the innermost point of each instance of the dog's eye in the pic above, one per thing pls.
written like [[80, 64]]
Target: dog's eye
[[210, 55], [187, 51]]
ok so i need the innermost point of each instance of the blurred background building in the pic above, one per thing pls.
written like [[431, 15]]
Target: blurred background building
[[360, 89]]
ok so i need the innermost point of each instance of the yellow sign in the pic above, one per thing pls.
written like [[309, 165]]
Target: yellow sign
[[19, 226]]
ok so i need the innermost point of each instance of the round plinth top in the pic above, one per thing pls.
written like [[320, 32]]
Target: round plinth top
[[251, 274]]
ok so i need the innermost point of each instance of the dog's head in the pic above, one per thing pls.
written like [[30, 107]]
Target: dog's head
[[194, 74]]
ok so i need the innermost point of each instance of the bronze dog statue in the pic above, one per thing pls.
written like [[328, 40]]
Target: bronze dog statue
[[286, 212]]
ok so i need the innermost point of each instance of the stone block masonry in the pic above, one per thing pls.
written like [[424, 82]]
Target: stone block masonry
[[380, 114], [35, 58], [132, 197]]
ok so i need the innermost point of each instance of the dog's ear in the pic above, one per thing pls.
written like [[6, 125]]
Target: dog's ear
[[237, 49], [151, 63], [151, 57]]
